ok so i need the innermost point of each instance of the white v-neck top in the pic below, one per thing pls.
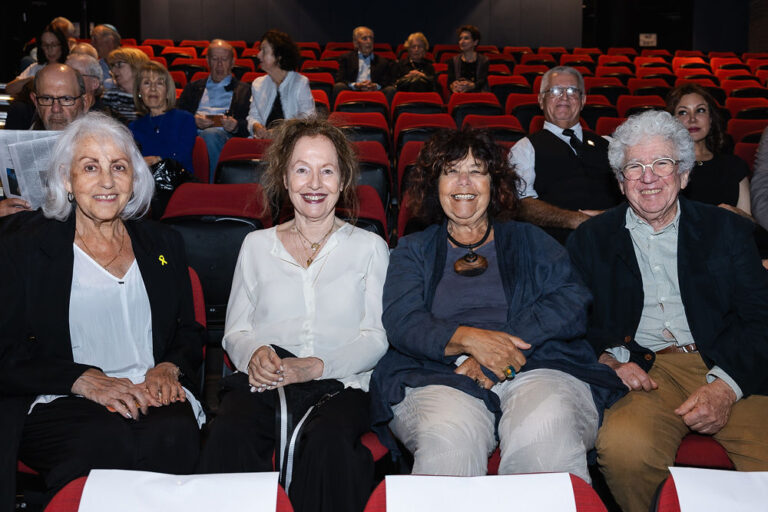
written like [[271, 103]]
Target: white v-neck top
[[330, 310], [110, 323]]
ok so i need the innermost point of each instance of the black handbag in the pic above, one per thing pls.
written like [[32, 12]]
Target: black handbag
[[294, 407], [168, 175]]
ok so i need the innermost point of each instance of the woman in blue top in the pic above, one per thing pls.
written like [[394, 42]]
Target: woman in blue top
[[162, 131], [486, 320]]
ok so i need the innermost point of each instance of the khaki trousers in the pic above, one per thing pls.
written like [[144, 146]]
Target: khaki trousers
[[641, 433]]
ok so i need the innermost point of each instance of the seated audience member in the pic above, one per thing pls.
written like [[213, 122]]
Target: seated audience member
[[219, 103], [468, 71], [680, 313], [282, 93], [106, 39], [60, 98], [85, 49], [99, 351], [303, 322], [564, 167], [52, 47], [125, 64], [67, 28], [414, 73], [718, 178], [162, 132], [363, 70], [89, 69], [486, 319], [759, 186]]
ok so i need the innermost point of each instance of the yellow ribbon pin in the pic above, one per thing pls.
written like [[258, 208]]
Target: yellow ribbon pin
[[162, 260]]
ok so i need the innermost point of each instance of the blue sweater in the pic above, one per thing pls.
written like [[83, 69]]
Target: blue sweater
[[547, 307], [169, 135]]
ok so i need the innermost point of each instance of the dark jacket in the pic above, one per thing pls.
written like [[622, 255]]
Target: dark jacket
[[238, 108], [547, 308], [382, 71], [481, 73], [35, 345], [723, 286]]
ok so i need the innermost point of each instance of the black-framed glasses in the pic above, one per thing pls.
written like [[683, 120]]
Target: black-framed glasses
[[661, 167], [571, 92], [64, 101]]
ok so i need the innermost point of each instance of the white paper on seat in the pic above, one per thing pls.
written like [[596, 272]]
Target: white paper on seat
[[713, 489], [131, 491], [542, 492]]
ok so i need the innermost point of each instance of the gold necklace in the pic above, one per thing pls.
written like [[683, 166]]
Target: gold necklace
[[314, 246], [88, 250]]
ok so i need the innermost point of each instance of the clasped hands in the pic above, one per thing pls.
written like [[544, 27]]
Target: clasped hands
[[267, 370], [161, 387], [366, 85], [462, 85], [706, 410], [494, 350]]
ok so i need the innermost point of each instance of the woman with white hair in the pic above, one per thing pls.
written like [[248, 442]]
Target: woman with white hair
[[99, 349]]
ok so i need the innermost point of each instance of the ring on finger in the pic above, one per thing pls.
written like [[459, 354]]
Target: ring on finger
[[509, 372]]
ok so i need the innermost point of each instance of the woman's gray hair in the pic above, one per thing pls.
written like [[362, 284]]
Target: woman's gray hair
[[101, 128], [652, 123]]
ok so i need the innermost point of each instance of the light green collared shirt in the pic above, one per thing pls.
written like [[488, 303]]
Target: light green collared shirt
[[663, 322]]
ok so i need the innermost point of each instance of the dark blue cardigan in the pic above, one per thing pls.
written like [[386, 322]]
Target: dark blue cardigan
[[547, 308]]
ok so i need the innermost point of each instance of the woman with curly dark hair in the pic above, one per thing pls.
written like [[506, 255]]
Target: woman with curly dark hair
[[719, 177], [485, 318], [282, 93]]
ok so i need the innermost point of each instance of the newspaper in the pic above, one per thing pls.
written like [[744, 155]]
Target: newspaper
[[24, 158]]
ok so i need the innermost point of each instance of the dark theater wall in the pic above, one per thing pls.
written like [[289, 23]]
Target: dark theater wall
[[511, 22]]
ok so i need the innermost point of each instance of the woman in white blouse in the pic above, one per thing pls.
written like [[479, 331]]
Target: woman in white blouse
[[304, 326], [99, 348], [282, 93]]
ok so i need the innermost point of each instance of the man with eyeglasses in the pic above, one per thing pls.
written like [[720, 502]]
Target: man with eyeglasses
[[564, 167], [220, 102], [680, 313], [59, 96]]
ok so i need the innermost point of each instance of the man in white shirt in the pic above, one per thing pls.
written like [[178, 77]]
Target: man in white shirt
[[564, 167], [220, 102]]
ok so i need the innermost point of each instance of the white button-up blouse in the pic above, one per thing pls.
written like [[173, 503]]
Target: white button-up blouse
[[331, 310]]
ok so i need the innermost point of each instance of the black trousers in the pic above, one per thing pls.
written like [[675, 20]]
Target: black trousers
[[68, 437], [333, 471]]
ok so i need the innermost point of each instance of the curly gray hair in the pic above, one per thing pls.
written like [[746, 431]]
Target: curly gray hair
[[652, 123], [101, 128]]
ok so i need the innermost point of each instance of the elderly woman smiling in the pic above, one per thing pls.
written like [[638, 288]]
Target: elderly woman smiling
[[485, 318], [99, 348]]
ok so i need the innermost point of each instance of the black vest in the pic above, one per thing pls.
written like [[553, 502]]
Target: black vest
[[571, 181]]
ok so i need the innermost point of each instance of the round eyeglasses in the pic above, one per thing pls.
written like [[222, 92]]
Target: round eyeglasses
[[661, 167]]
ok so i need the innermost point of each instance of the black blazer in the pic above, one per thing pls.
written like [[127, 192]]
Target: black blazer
[[35, 346], [382, 71], [238, 108], [723, 286]]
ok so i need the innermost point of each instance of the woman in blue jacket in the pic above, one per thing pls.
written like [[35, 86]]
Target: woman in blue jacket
[[486, 319]]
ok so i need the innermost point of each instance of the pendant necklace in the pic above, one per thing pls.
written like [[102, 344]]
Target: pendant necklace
[[314, 246], [471, 264]]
